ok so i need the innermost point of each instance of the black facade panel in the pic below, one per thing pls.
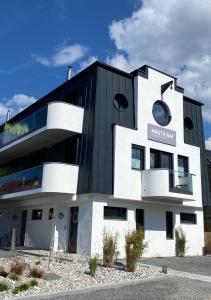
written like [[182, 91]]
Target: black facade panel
[[195, 137], [109, 84]]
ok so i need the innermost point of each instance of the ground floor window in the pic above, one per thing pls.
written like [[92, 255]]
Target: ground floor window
[[111, 212], [188, 218], [139, 218], [37, 214], [169, 225]]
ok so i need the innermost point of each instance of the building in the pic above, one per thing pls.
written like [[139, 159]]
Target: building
[[207, 209], [106, 150]]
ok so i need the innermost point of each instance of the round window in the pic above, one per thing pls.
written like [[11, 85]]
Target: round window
[[188, 124], [120, 102], [161, 113]]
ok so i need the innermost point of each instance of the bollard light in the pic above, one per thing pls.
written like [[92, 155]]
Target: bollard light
[[164, 269]]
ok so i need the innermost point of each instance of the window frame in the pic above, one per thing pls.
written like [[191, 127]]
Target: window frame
[[142, 155], [115, 217], [188, 222]]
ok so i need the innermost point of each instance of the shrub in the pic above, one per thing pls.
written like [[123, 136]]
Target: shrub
[[181, 241], [93, 263], [134, 248], [36, 273], [3, 286], [25, 286], [18, 267], [14, 276], [109, 249], [21, 288]]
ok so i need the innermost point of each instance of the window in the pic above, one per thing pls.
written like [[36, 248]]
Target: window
[[111, 212], [188, 124], [137, 157], [169, 225], [120, 102], [187, 218], [50, 214], [160, 159], [139, 218], [161, 113], [37, 214], [182, 165]]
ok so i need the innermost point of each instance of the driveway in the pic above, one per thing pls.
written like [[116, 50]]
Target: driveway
[[195, 264]]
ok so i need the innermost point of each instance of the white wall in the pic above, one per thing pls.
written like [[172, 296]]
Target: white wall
[[155, 227], [127, 182]]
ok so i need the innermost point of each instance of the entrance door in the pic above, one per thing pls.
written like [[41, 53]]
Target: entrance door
[[23, 227], [73, 232]]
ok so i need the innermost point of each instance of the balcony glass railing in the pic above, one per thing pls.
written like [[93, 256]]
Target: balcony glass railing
[[22, 180], [180, 182], [16, 130]]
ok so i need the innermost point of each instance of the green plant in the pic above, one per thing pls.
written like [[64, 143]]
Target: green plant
[[37, 263], [36, 273], [18, 267], [109, 249], [16, 128], [181, 241], [33, 282], [134, 248], [14, 276], [93, 263], [21, 288], [3, 286]]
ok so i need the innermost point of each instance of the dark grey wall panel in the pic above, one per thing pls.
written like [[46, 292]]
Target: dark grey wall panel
[[196, 138], [109, 83]]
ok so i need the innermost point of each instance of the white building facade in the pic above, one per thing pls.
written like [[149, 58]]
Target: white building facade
[[106, 151]]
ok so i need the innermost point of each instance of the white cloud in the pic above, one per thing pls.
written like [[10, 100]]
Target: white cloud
[[15, 104], [208, 143], [87, 62], [172, 36], [65, 55]]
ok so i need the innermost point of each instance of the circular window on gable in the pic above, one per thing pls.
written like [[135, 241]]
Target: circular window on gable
[[120, 102], [161, 113], [188, 124]]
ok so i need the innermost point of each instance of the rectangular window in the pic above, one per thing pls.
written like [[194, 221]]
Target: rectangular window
[[37, 214], [169, 225], [111, 212], [50, 214], [182, 165], [187, 218], [139, 218], [137, 157]]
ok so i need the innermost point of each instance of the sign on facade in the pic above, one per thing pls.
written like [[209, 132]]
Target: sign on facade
[[161, 135]]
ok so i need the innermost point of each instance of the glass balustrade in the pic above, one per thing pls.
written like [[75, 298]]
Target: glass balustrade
[[21, 180], [180, 182], [16, 130]]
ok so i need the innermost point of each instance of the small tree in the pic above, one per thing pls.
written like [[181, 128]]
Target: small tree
[[109, 249], [134, 248], [93, 263], [181, 241]]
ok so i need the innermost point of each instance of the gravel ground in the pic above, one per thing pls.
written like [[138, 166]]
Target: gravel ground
[[74, 275]]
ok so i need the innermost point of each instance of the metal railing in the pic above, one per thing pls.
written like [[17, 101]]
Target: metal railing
[[180, 182], [21, 180], [18, 129]]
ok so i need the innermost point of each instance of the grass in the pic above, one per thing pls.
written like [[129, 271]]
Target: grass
[[25, 286], [109, 249], [17, 267], [93, 263], [181, 241], [14, 276], [3, 286], [36, 273]]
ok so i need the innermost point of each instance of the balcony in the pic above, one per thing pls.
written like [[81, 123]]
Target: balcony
[[166, 184], [43, 128], [43, 179]]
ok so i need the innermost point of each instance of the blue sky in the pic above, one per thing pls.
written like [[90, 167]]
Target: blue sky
[[39, 38]]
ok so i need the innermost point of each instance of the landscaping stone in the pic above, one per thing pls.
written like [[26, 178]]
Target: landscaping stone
[[51, 276], [5, 269]]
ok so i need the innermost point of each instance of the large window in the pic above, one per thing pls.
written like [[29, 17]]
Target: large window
[[111, 212], [160, 159], [169, 225], [37, 214], [188, 218], [137, 157], [182, 165]]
